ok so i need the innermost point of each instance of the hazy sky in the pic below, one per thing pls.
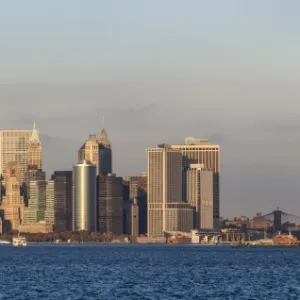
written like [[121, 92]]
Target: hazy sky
[[159, 71]]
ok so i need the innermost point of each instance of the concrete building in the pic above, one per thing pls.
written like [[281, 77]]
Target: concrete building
[[84, 197], [134, 218], [37, 227], [14, 148], [197, 151], [98, 152], [62, 200], [166, 210], [110, 204], [12, 207], [105, 166], [35, 212], [49, 212], [137, 186], [200, 195]]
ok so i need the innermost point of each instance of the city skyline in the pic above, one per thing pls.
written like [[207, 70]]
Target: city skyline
[[229, 73]]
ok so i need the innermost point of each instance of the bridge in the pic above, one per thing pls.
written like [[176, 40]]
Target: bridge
[[274, 222]]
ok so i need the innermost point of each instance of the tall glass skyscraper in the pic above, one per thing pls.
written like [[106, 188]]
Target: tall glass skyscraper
[[84, 197]]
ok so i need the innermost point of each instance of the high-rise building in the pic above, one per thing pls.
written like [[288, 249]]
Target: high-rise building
[[35, 212], [105, 166], [14, 148], [84, 197], [34, 151], [39, 215], [12, 207], [62, 200], [200, 195], [98, 152], [49, 212], [110, 204], [90, 151], [138, 190], [134, 218], [197, 151], [166, 210]]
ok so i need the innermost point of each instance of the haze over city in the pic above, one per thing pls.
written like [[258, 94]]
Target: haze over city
[[158, 72]]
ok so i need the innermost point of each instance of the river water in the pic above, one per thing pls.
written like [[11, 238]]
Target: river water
[[148, 272]]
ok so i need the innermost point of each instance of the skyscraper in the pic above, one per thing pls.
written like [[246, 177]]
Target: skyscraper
[[200, 195], [14, 148], [197, 151], [34, 151], [105, 166], [166, 210], [49, 212], [62, 200], [12, 207], [138, 191], [84, 197], [110, 204], [134, 218], [37, 202], [90, 151], [98, 152]]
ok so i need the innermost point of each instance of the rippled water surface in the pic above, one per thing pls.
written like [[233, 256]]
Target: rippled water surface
[[148, 272]]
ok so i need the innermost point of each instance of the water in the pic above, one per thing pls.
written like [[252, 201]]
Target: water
[[148, 272]]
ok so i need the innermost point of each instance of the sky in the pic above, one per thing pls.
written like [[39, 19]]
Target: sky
[[159, 71]]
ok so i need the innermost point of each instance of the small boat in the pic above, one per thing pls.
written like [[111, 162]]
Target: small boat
[[19, 241]]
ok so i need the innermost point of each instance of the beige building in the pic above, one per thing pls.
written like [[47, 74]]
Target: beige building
[[12, 207], [166, 210], [200, 195], [198, 151], [37, 227], [98, 152], [14, 147]]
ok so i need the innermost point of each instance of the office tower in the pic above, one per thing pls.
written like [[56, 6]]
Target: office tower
[[134, 218], [200, 195], [98, 152], [62, 200], [138, 190], [90, 151], [49, 212], [34, 151], [84, 197], [39, 215], [35, 211], [105, 165], [166, 210], [110, 204], [14, 147], [197, 151], [12, 207]]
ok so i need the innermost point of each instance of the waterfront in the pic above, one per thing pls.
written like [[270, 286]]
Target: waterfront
[[148, 272]]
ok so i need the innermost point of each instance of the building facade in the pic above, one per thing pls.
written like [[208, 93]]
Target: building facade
[[137, 186], [98, 152], [34, 151], [84, 197], [14, 148], [197, 151], [62, 200], [165, 206], [134, 218], [200, 195], [110, 204], [12, 206]]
